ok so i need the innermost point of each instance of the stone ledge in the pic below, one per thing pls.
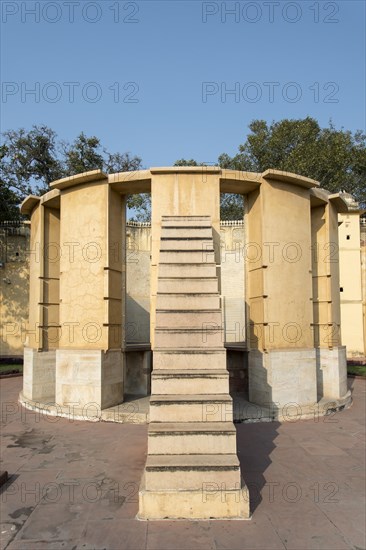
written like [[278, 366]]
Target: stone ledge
[[135, 410], [245, 411]]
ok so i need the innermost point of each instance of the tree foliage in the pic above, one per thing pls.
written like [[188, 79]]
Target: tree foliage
[[8, 204], [31, 160], [231, 206], [120, 162], [335, 158], [83, 155], [139, 207], [186, 162]]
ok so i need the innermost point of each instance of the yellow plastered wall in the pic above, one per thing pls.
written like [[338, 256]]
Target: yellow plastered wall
[[34, 332], [351, 277], [279, 267], [325, 271], [14, 288], [92, 268]]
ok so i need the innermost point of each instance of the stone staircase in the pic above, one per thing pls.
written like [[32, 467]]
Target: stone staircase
[[192, 470]]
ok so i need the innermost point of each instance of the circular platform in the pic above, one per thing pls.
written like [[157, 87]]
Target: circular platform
[[135, 410]]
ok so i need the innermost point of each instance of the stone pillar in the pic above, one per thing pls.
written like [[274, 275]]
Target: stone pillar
[[90, 364], [331, 355], [34, 332], [193, 191], [282, 366], [51, 278], [351, 280], [42, 330]]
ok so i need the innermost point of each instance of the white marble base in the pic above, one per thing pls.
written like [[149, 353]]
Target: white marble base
[[331, 369], [86, 377], [39, 374], [281, 377]]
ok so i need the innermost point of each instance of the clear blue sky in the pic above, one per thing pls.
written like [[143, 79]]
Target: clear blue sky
[[311, 49]]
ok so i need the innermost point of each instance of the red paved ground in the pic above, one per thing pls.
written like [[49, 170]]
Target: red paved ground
[[74, 485]]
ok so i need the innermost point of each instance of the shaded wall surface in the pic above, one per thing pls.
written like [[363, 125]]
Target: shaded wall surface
[[138, 281], [138, 260]]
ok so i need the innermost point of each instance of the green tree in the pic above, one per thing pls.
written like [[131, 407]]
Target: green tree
[[31, 160], [86, 154], [186, 162], [335, 158], [139, 207], [8, 204], [231, 206], [28, 160], [83, 155], [120, 162]]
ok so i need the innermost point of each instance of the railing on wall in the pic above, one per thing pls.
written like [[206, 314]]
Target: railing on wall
[[11, 223], [16, 227], [20, 223], [230, 223], [138, 224], [225, 223]]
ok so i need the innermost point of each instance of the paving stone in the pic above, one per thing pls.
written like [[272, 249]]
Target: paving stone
[[275, 466]]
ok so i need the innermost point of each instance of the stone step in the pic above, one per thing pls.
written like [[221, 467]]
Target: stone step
[[189, 318], [169, 382], [204, 337], [187, 301], [211, 501], [183, 359], [184, 232], [187, 270], [188, 284], [191, 408], [191, 438], [187, 256], [192, 472], [186, 244]]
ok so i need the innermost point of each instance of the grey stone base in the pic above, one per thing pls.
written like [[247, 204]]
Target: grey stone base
[[39, 374]]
